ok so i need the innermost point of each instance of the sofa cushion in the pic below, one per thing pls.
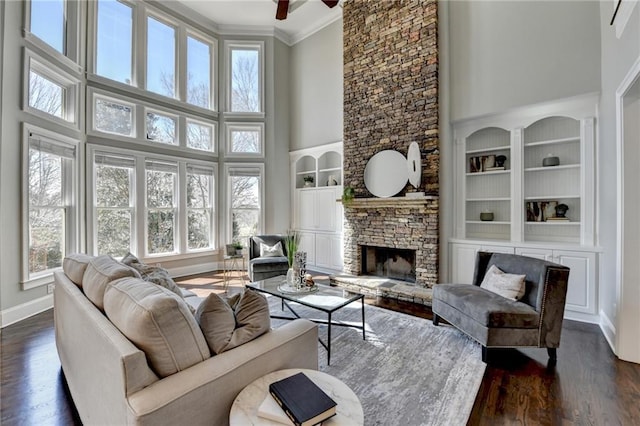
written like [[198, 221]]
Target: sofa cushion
[[511, 286], [227, 324], [271, 251], [99, 273], [74, 266], [486, 307], [158, 322]]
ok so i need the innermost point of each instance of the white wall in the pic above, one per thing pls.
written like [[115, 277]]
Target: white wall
[[618, 55], [316, 88], [512, 53]]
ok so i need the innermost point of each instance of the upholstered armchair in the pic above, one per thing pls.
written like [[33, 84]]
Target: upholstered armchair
[[495, 321], [263, 267]]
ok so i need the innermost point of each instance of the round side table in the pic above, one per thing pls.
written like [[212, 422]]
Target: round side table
[[244, 410]]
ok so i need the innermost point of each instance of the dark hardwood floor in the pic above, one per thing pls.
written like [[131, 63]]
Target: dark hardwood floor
[[588, 386]]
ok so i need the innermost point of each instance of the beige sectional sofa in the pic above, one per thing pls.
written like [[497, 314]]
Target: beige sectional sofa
[[113, 382]]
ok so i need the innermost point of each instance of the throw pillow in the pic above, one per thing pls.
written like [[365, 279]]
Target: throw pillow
[[271, 251], [229, 324], [506, 285], [158, 322], [151, 273], [74, 266], [99, 273]]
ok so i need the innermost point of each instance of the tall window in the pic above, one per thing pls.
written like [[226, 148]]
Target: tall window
[[245, 139], [114, 206], [200, 211], [161, 57], [50, 203], [245, 201], [114, 41], [200, 136], [245, 64], [45, 95], [198, 73], [161, 190], [112, 116], [48, 22]]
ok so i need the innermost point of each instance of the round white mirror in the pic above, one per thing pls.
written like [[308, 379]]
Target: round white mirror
[[386, 173]]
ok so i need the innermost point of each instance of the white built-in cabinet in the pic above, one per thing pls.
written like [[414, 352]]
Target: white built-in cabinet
[[317, 214], [522, 192]]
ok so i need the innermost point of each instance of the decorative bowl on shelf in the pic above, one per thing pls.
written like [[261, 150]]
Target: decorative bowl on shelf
[[550, 160], [486, 216]]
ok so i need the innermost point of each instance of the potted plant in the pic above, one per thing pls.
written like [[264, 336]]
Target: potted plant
[[239, 248], [308, 180], [347, 195]]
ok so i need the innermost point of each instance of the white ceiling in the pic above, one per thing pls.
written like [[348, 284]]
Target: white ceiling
[[305, 16]]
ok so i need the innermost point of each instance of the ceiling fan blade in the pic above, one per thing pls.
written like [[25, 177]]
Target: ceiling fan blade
[[331, 3], [283, 8]]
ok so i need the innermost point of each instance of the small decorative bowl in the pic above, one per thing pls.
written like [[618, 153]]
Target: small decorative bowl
[[486, 216], [550, 161]]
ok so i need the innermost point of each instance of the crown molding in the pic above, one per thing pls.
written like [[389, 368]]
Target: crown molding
[[301, 35]]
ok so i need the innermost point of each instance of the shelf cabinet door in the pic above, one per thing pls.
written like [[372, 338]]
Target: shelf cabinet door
[[541, 254], [326, 209], [323, 250], [463, 261], [307, 209], [308, 244], [581, 292]]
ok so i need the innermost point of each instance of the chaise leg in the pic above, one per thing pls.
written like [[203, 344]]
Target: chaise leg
[[436, 319], [553, 356], [485, 354]]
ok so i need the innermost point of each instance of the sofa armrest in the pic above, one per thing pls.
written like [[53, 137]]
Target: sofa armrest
[[204, 393]]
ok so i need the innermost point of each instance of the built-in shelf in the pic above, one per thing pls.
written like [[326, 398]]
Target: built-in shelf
[[552, 168], [551, 197], [489, 199], [488, 222], [493, 149], [553, 223], [306, 172], [553, 141], [332, 169], [492, 172]]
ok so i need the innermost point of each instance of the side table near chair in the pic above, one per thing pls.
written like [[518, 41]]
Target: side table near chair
[[231, 264]]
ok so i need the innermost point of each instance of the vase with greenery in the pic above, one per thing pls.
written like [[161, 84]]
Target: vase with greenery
[[239, 247], [291, 243], [308, 180]]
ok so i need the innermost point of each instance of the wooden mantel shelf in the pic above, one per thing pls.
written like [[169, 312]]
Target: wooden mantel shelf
[[392, 202]]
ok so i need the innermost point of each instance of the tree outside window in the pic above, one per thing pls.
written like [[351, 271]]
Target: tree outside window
[[245, 80], [245, 206], [199, 207], [161, 184]]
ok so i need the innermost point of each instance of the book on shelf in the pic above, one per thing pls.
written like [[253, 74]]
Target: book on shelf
[[269, 409], [302, 400]]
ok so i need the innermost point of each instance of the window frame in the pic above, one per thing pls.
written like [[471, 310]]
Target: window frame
[[177, 142], [229, 46], [93, 96], [213, 68], [70, 194], [214, 134], [73, 43], [71, 108], [212, 206], [176, 207], [243, 169], [177, 68], [92, 207], [231, 127]]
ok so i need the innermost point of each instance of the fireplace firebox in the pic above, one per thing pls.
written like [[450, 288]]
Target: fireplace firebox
[[388, 262]]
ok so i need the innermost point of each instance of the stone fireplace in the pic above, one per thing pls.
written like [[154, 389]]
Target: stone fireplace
[[391, 100]]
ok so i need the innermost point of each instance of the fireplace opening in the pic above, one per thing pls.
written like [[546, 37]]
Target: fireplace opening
[[399, 264]]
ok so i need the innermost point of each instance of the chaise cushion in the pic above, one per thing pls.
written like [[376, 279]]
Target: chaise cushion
[[485, 307], [158, 322], [99, 273], [227, 324], [74, 266]]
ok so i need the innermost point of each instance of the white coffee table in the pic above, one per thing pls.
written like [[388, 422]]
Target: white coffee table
[[244, 410]]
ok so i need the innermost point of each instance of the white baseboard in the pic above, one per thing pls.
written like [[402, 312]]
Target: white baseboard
[[608, 329], [195, 269], [582, 317], [18, 313]]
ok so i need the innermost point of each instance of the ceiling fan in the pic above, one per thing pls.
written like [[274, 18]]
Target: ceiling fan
[[284, 8]]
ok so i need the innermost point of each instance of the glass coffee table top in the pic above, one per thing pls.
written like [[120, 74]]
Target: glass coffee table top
[[325, 298]]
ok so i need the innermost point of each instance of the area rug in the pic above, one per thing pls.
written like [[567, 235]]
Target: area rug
[[407, 371]]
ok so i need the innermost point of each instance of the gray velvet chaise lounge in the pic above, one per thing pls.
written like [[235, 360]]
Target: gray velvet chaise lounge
[[495, 321], [263, 267]]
